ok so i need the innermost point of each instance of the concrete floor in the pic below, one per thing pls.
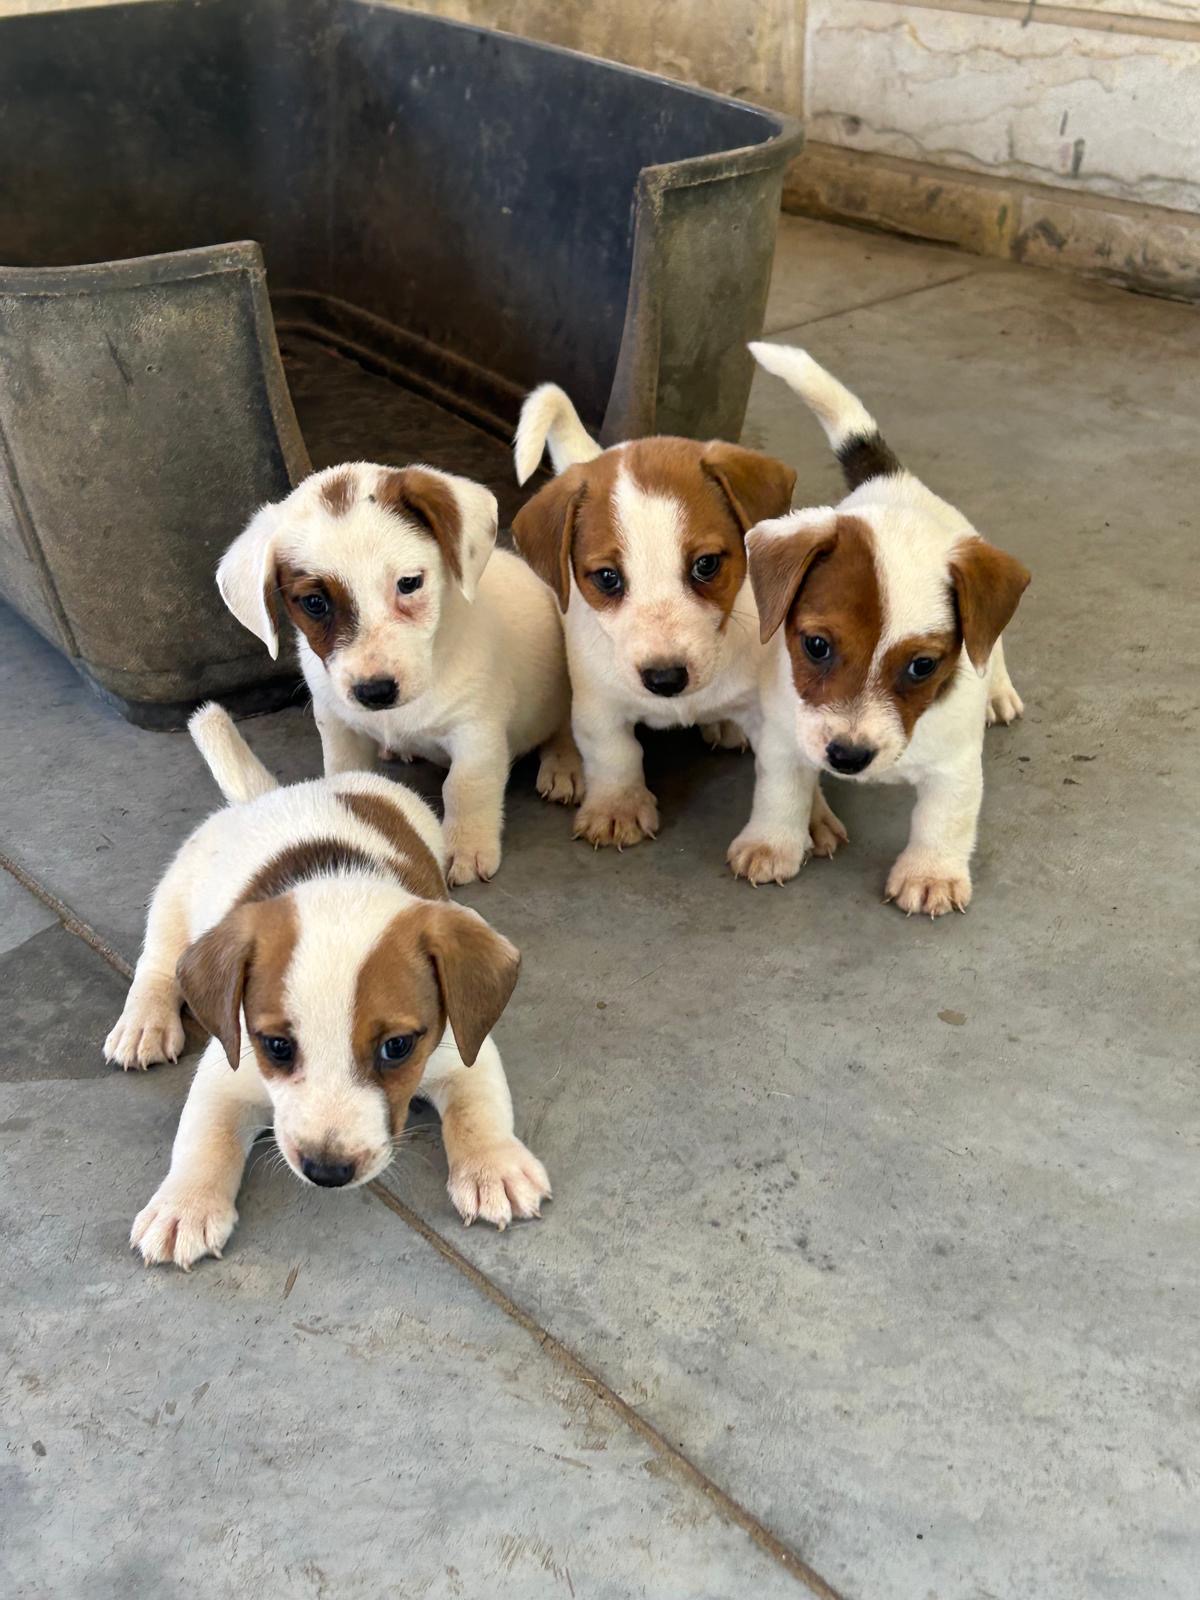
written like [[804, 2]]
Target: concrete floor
[[875, 1243]]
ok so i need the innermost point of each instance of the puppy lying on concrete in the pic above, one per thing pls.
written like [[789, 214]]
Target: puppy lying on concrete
[[890, 660], [414, 636], [643, 546], [309, 930]]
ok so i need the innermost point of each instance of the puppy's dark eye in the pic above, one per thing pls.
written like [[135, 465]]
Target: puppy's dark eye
[[816, 647], [410, 585], [608, 580], [920, 667], [705, 568], [279, 1051], [316, 605], [397, 1049]]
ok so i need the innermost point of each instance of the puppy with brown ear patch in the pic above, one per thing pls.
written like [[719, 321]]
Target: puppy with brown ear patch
[[308, 928], [643, 546], [887, 612], [415, 636]]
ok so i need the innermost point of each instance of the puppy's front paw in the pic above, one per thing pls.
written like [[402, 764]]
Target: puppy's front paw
[[827, 832], [499, 1183], [620, 819], [763, 860], [725, 736], [149, 1029], [560, 776], [920, 882], [182, 1225], [1004, 704], [472, 855]]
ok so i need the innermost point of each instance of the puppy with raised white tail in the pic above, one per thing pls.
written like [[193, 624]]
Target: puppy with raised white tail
[[415, 637], [643, 546], [309, 930], [889, 609]]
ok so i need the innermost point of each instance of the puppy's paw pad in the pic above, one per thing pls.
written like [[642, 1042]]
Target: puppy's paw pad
[[826, 830], [1004, 705], [470, 860], [149, 1030], [560, 778], [923, 889], [725, 736], [182, 1226], [766, 860], [618, 820], [499, 1183]]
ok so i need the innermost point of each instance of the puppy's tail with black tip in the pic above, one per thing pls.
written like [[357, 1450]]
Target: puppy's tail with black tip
[[549, 419], [239, 774], [849, 426]]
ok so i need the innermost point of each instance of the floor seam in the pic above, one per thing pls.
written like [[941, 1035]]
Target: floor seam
[[683, 1468], [68, 919], [883, 300]]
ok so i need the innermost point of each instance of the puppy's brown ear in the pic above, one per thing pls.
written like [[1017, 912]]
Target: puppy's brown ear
[[476, 971], [212, 974], [756, 486], [987, 586], [544, 530], [780, 554]]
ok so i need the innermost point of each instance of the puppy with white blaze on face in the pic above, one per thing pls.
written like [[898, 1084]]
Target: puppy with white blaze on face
[[889, 610], [416, 637], [643, 545], [309, 930]]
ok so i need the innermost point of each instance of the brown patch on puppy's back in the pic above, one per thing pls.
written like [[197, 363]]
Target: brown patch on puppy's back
[[418, 868], [309, 859], [324, 634], [840, 600]]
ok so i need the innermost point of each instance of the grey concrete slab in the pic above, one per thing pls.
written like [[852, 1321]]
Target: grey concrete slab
[[58, 1000], [22, 915], [891, 1226], [822, 270], [330, 1410]]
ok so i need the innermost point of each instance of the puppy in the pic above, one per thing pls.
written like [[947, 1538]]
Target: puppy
[[643, 547], [308, 929], [890, 659], [411, 639]]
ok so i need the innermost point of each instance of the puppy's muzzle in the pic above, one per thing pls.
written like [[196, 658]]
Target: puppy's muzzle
[[376, 694], [327, 1174], [849, 758], [666, 681]]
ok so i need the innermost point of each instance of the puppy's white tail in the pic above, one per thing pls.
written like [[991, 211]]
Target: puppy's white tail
[[549, 418], [849, 426], [239, 774]]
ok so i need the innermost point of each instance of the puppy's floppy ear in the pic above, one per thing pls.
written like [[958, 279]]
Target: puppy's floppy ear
[[755, 485], [246, 575], [212, 974], [461, 516], [476, 971], [544, 530], [780, 554], [987, 586]]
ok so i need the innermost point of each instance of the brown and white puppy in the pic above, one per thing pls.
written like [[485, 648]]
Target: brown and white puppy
[[887, 612], [308, 928], [643, 545], [414, 635]]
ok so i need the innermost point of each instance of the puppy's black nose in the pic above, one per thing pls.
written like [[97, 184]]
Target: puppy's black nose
[[377, 694], [849, 758], [328, 1174], [665, 680]]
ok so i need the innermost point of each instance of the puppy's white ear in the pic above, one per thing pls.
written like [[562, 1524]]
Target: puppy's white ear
[[462, 516], [246, 576]]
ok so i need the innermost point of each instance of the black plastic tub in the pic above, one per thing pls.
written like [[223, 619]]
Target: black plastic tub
[[447, 215]]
